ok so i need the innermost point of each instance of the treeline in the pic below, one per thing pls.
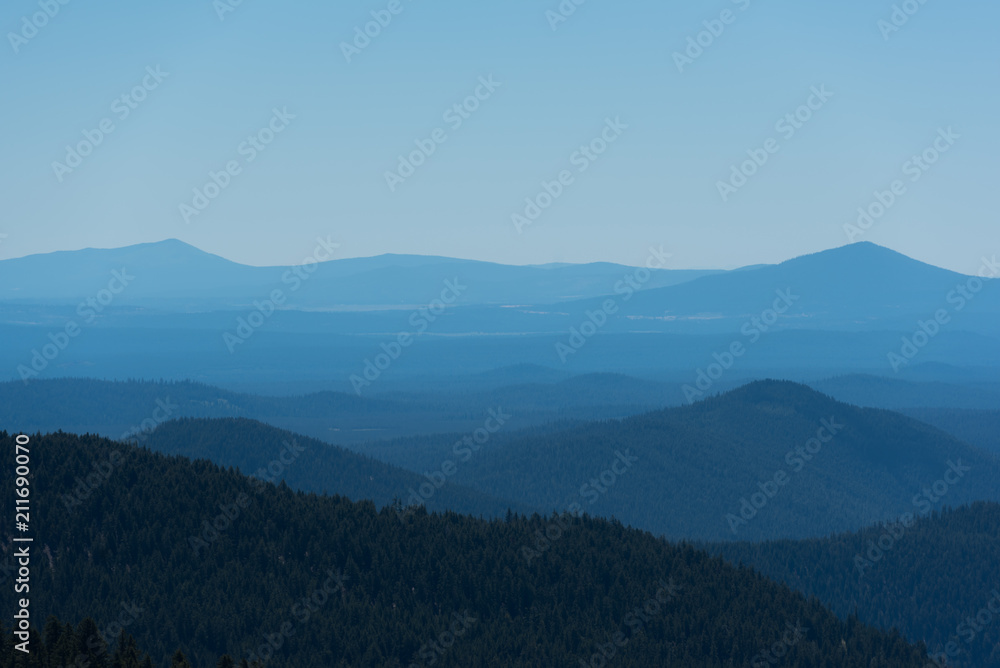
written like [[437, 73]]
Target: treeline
[[310, 465], [218, 564], [86, 646], [768, 460], [935, 578]]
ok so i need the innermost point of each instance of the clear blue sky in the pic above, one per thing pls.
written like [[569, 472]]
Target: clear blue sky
[[656, 184]]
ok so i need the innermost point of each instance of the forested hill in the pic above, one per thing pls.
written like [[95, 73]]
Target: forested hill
[[935, 580], [114, 408], [771, 459], [309, 465], [332, 583], [980, 428]]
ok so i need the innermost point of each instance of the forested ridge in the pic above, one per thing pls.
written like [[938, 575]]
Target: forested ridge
[[980, 428], [713, 465], [936, 580], [114, 408], [772, 459], [310, 465], [330, 582]]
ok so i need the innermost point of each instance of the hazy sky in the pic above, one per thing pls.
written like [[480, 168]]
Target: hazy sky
[[657, 183]]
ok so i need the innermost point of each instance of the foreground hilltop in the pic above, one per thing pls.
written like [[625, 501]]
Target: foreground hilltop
[[322, 581]]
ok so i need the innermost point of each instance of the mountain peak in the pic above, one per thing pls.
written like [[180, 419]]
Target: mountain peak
[[859, 250], [171, 243], [770, 390]]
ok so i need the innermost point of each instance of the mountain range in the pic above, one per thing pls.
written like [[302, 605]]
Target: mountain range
[[173, 275], [389, 323], [861, 286]]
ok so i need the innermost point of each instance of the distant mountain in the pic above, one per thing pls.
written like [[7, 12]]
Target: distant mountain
[[168, 269], [768, 460], [215, 563], [848, 310], [936, 580], [171, 275], [859, 286], [900, 394], [116, 409]]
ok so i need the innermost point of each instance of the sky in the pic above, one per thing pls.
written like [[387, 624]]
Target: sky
[[332, 111]]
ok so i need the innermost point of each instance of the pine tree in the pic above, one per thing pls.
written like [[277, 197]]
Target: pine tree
[[179, 660]]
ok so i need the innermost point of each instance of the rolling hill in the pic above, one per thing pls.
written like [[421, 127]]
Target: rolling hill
[[309, 465], [771, 459], [935, 580], [218, 564], [117, 409]]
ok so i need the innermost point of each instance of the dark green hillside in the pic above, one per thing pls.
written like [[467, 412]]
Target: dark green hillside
[[977, 427], [329, 582], [306, 464], [938, 580]]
